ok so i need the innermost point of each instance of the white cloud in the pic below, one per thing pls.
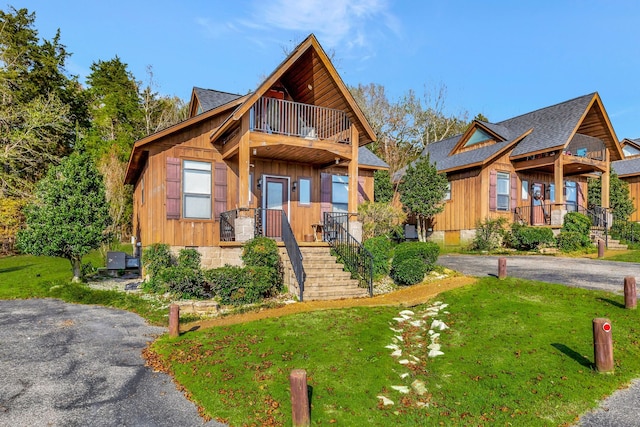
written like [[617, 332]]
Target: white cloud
[[336, 23]]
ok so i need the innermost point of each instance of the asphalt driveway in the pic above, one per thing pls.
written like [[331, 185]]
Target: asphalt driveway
[[76, 365], [578, 272]]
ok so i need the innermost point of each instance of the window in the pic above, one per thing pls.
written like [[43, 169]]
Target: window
[[196, 189], [304, 188], [552, 192], [503, 188], [447, 195], [340, 193], [478, 137], [525, 189]]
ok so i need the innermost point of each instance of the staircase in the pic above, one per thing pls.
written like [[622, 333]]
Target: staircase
[[325, 277], [612, 244]]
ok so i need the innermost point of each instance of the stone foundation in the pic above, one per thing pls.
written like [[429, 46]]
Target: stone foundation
[[214, 257], [244, 228], [436, 237], [467, 236], [355, 229]]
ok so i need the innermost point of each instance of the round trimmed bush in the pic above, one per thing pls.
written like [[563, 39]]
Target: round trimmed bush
[[426, 251], [527, 238], [184, 281], [409, 271], [569, 241]]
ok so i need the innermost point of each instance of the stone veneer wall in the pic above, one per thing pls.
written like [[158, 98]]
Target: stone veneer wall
[[214, 257]]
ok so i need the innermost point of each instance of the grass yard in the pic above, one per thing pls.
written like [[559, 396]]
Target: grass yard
[[26, 276], [624, 256], [516, 353]]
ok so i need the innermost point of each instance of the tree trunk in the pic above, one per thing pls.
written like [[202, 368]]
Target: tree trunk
[[76, 265]]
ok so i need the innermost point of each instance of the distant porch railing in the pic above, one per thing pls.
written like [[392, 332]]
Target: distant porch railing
[[277, 116], [272, 223], [356, 259]]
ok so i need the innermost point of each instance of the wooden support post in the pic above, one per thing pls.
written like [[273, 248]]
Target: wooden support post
[[502, 268], [630, 298], [602, 345], [299, 398], [600, 248], [174, 320]]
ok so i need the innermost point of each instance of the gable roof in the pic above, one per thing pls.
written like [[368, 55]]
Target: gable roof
[[208, 99], [319, 62], [367, 158], [627, 167], [546, 129]]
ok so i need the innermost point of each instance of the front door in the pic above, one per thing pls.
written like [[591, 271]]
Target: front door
[[537, 204], [276, 200]]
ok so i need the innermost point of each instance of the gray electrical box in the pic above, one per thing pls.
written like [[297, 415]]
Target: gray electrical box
[[116, 261]]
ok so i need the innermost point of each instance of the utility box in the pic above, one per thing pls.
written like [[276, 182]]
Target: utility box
[[116, 260]]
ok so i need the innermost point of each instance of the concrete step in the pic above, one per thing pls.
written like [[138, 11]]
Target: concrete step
[[317, 283], [312, 295]]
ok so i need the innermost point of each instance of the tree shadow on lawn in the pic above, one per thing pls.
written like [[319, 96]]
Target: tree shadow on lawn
[[16, 268], [574, 355], [612, 302]]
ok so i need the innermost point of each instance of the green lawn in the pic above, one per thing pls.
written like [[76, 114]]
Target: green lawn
[[517, 353], [26, 276], [625, 256]]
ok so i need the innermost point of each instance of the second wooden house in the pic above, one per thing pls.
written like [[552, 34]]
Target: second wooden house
[[532, 168]]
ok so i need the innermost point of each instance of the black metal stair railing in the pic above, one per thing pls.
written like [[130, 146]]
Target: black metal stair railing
[[293, 250], [356, 259]]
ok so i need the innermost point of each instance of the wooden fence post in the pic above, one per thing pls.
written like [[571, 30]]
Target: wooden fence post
[[299, 398], [174, 320], [600, 248], [602, 345], [630, 298], [502, 268]]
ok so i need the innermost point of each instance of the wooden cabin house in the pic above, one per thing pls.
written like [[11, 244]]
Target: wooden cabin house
[[628, 170], [271, 162], [531, 168]]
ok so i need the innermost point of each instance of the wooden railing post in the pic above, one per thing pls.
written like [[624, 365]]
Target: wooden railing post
[[299, 398], [502, 268], [602, 345], [630, 298], [174, 320]]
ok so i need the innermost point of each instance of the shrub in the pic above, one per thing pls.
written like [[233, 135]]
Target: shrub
[[527, 238], [156, 258], [189, 258], [569, 241], [489, 234], [185, 282], [425, 253], [263, 252], [626, 231], [237, 285], [379, 219], [575, 222], [409, 271], [380, 248]]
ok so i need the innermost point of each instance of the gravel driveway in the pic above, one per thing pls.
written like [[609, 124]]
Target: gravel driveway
[[579, 272], [77, 365]]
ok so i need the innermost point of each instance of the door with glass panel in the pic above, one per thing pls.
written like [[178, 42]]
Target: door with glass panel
[[276, 200]]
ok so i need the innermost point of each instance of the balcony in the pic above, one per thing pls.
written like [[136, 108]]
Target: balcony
[[294, 119]]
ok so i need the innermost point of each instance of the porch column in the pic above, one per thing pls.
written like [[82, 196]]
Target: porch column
[[558, 211], [243, 163], [355, 227], [353, 171], [604, 193]]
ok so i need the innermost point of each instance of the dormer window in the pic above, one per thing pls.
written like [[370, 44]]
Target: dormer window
[[478, 136]]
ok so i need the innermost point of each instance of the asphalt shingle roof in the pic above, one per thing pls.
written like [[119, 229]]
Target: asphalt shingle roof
[[367, 158], [552, 126], [626, 167], [210, 99]]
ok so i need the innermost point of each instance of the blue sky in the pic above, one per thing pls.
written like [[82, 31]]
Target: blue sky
[[499, 58]]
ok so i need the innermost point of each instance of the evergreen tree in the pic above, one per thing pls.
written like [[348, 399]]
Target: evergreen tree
[[382, 186], [422, 191], [620, 200], [70, 213]]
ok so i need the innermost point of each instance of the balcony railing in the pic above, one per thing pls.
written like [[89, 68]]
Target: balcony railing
[[277, 116]]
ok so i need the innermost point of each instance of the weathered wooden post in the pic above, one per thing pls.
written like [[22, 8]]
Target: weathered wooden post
[[299, 398], [602, 345], [174, 320], [630, 298], [600, 248], [502, 268]]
